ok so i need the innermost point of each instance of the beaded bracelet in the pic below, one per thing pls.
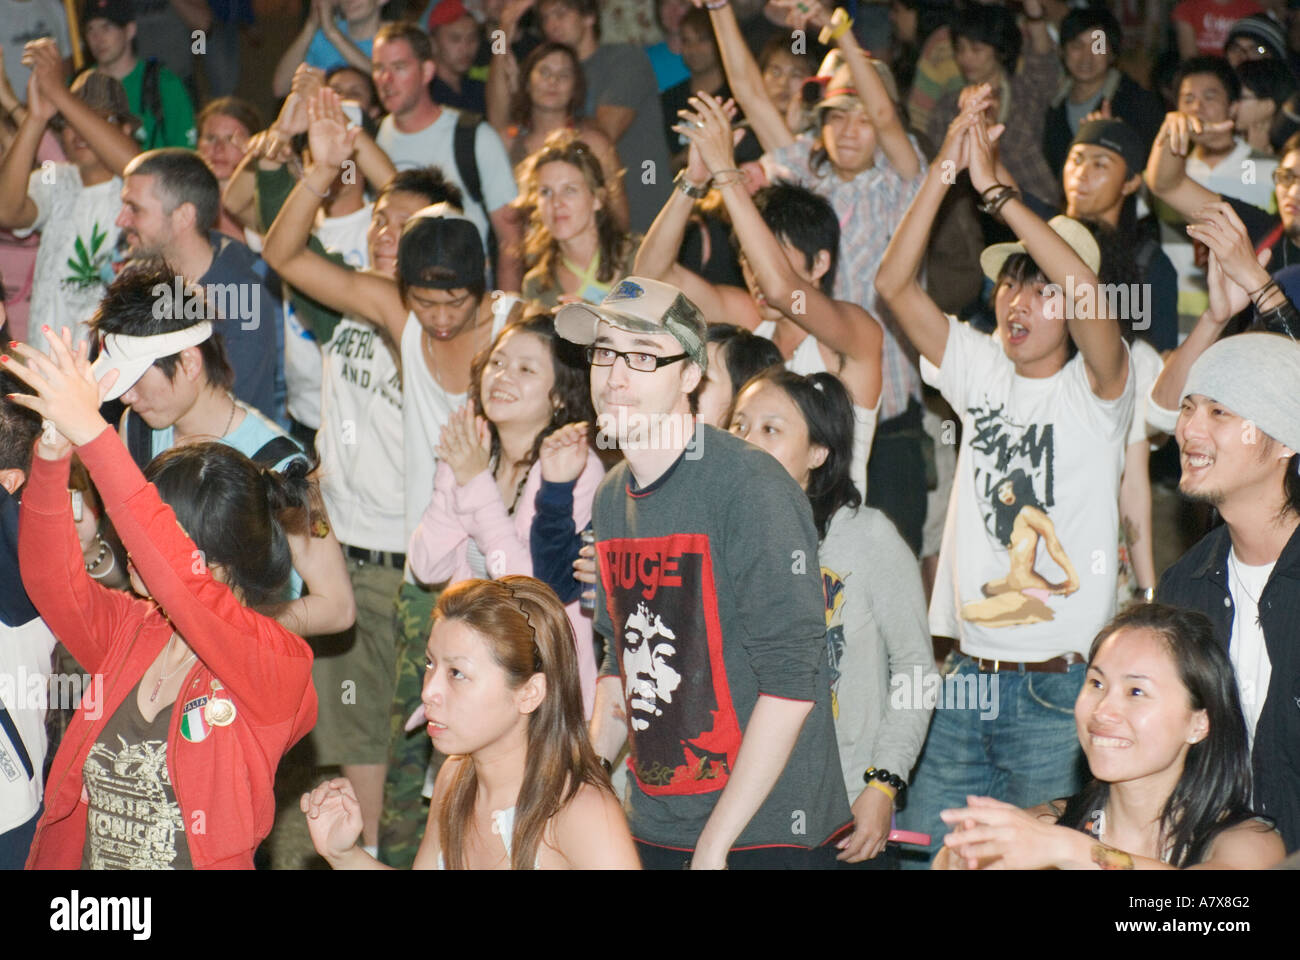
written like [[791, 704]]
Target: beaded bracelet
[[884, 776]]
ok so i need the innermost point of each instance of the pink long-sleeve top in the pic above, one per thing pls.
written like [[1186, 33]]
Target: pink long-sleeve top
[[439, 549]]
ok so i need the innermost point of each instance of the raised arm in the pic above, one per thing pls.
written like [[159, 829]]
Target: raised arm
[[1166, 172], [270, 670], [844, 327], [17, 209], [364, 295], [113, 147], [328, 605], [891, 135], [1093, 330], [657, 256], [1234, 274], [898, 279], [746, 81], [293, 57]]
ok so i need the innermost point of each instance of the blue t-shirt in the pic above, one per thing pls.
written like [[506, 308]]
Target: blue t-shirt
[[250, 322], [325, 56], [670, 68], [253, 433]]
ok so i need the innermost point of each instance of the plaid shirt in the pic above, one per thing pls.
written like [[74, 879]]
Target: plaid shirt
[[869, 207]]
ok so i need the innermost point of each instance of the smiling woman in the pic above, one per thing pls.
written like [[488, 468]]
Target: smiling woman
[[1161, 724]]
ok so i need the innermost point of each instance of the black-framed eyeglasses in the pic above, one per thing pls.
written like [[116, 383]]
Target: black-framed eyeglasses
[[641, 362]]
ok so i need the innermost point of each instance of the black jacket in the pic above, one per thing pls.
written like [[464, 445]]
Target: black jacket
[[1138, 107], [1199, 581]]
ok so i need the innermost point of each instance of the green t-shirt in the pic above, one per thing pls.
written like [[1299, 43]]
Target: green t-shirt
[[175, 112]]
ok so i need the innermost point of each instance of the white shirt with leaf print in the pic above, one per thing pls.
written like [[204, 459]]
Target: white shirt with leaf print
[[74, 263]]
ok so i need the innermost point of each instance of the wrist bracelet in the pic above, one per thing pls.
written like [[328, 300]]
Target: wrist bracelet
[[1147, 594], [103, 549], [716, 4], [882, 775], [884, 788], [1267, 283], [690, 189]]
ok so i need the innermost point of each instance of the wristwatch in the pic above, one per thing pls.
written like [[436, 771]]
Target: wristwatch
[[690, 189]]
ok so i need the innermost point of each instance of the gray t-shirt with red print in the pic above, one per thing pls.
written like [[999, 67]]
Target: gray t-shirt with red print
[[710, 592]]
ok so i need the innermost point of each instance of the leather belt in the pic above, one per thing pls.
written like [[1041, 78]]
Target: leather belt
[[377, 557], [1059, 664]]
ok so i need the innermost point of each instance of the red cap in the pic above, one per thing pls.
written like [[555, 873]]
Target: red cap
[[447, 11]]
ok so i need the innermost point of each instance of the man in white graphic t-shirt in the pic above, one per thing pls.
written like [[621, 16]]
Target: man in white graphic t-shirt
[[1027, 569]]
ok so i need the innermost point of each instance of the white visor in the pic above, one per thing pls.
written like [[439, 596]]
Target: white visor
[[132, 356]]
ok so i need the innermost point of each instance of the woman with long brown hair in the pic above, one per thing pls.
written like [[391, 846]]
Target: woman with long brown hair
[[542, 97], [522, 787], [574, 246]]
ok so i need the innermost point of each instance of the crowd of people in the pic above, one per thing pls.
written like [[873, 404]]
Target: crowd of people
[[733, 449]]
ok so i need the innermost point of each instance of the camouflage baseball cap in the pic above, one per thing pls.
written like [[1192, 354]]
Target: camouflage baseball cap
[[639, 305]]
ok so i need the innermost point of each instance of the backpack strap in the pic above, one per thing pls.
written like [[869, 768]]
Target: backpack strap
[[467, 123], [275, 450], [151, 101]]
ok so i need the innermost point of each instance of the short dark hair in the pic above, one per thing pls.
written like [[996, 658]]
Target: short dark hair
[[697, 18], [129, 307], [241, 111], [427, 182], [1268, 80], [583, 8], [181, 176], [1215, 65], [993, 25], [1089, 19], [416, 38], [19, 426], [803, 219], [744, 353]]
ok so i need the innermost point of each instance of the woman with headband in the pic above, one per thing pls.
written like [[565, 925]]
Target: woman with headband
[[521, 788]]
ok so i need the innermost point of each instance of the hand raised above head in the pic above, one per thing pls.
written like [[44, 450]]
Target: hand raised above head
[[64, 390]]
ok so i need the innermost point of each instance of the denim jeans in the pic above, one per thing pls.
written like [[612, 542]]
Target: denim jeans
[[1027, 754]]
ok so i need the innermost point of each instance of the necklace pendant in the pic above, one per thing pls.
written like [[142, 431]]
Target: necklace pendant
[[153, 697]]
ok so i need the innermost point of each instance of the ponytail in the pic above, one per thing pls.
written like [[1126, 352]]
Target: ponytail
[[237, 512]]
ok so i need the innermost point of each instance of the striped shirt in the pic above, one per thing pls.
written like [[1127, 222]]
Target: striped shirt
[[870, 207]]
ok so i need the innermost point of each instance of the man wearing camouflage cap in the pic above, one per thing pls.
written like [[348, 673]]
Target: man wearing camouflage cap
[[709, 596]]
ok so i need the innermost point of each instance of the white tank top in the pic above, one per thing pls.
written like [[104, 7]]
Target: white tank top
[[503, 824], [360, 442], [807, 360], [425, 408]]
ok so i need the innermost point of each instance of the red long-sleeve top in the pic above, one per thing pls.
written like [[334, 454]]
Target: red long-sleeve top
[[224, 782]]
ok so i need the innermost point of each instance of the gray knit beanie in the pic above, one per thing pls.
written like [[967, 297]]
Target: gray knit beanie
[[1257, 377]]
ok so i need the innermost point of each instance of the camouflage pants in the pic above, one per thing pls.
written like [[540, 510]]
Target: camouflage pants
[[401, 822]]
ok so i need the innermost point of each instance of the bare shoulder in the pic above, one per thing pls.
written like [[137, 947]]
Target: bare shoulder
[[591, 832], [595, 137], [1252, 845]]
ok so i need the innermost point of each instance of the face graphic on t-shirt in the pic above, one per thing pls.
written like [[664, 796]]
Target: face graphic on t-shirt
[[649, 652]]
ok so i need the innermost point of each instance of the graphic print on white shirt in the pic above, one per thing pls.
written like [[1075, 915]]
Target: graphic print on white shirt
[[1015, 488]]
